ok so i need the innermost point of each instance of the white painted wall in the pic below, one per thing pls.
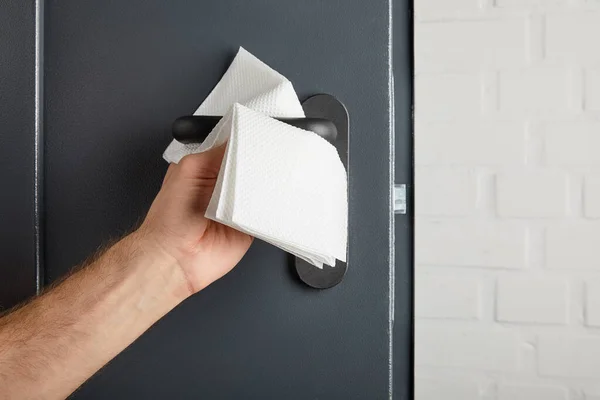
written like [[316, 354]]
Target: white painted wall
[[507, 199]]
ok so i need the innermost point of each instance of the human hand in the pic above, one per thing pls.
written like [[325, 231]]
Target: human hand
[[205, 250]]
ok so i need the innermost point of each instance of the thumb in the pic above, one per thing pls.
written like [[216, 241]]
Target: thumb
[[214, 156], [204, 165]]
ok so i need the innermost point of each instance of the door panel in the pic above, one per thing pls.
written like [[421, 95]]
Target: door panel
[[18, 266], [116, 75]]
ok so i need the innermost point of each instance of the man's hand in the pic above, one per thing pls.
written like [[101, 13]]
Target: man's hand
[[205, 250]]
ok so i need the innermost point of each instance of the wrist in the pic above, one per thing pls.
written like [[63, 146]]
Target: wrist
[[152, 256]]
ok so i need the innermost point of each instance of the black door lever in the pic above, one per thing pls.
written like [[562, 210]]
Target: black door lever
[[195, 128]]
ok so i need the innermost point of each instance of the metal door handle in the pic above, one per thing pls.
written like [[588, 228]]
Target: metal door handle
[[195, 128]]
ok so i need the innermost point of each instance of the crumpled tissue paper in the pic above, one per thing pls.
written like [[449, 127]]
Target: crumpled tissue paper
[[278, 183]]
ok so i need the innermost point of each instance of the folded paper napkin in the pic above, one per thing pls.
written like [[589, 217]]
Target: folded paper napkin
[[279, 183]]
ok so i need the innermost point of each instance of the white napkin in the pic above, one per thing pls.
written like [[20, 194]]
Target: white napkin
[[279, 183]]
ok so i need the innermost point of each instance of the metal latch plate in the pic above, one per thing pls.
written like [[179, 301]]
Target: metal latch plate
[[400, 199]]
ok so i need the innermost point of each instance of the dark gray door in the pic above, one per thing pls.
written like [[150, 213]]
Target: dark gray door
[[18, 250], [115, 75]]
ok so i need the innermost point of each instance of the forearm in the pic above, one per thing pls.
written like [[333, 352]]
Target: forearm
[[53, 344]]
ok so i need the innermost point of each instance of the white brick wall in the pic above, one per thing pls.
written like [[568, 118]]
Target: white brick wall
[[437, 389], [507, 237], [446, 191], [592, 303], [457, 243], [467, 348], [528, 392], [531, 194], [569, 355], [447, 297], [532, 300], [591, 196]]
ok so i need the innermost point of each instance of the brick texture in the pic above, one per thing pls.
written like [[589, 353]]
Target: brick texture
[[447, 297], [476, 44], [528, 194], [445, 191], [572, 143], [531, 392], [470, 143], [568, 36], [591, 197], [507, 199], [573, 247], [432, 389], [486, 350], [438, 95], [435, 9], [482, 244], [592, 303], [532, 301], [534, 90], [592, 90], [569, 356]]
